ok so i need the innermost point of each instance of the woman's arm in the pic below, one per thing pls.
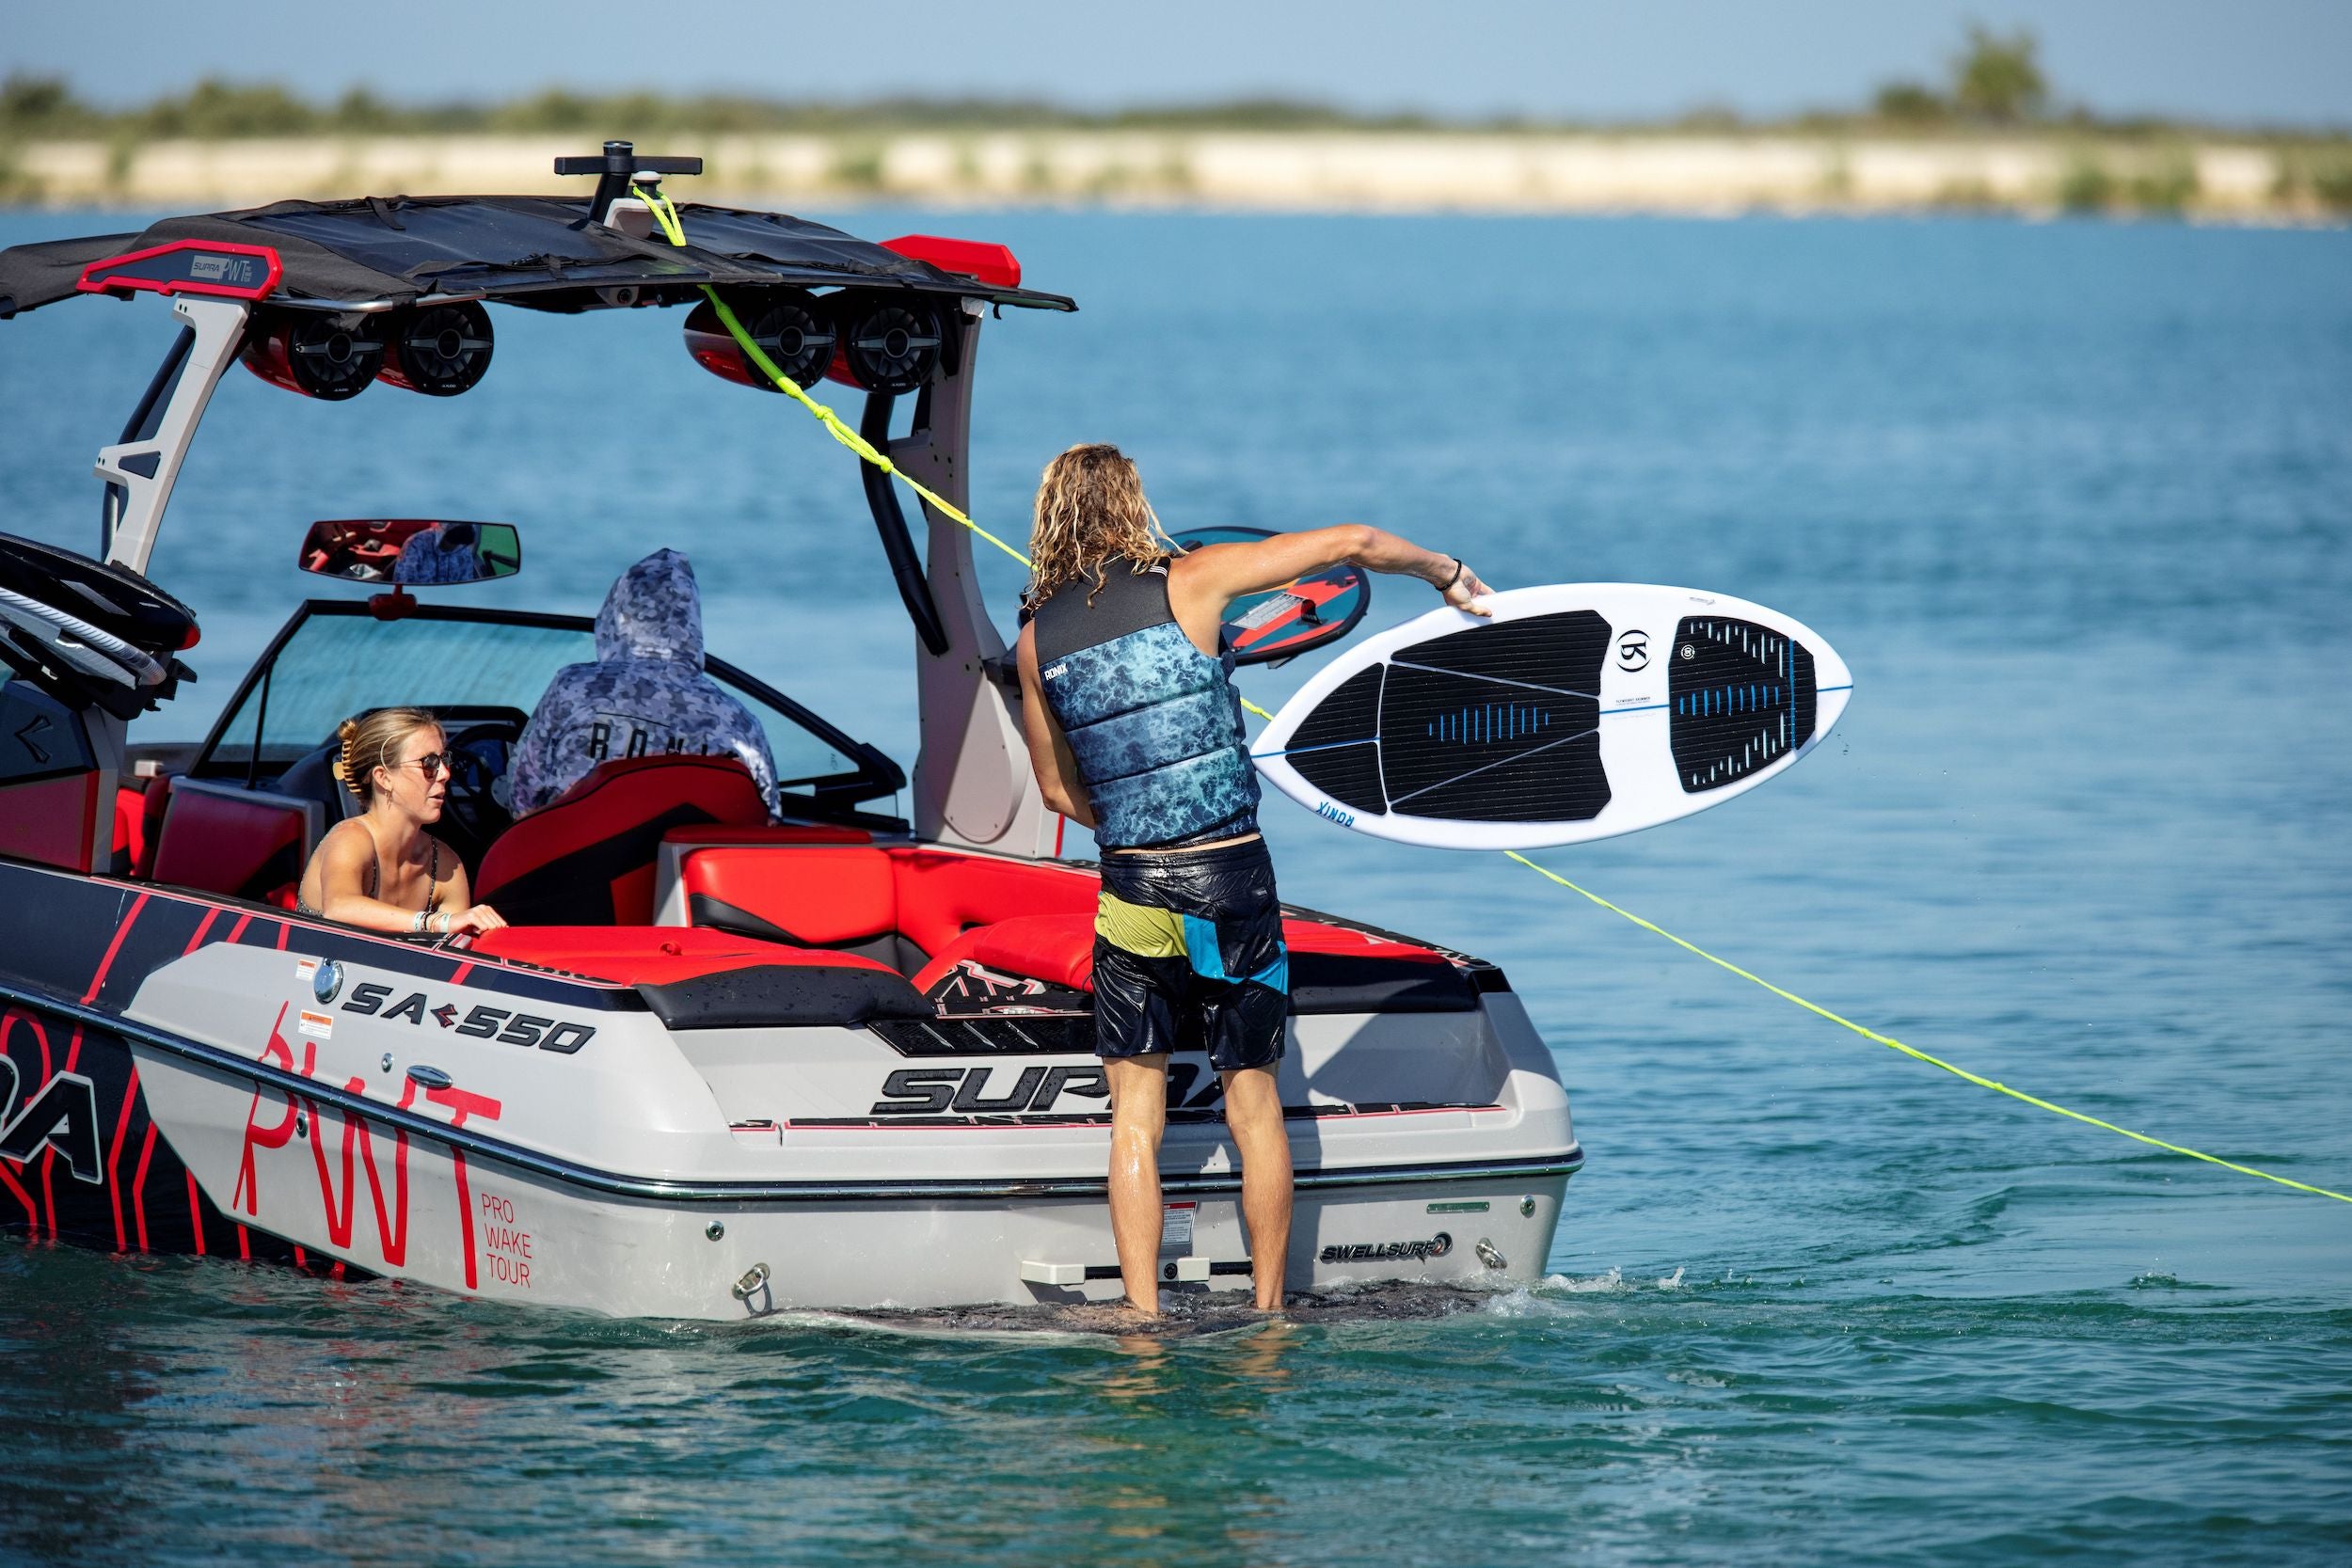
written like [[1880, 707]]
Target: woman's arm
[[1203, 581], [344, 858], [463, 915], [1050, 758]]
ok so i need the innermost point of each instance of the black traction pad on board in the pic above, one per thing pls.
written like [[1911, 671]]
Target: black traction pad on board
[[1741, 697]]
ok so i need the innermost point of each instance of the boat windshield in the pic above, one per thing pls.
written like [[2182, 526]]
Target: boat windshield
[[336, 662]]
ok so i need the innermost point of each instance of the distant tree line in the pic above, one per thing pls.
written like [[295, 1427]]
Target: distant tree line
[[1993, 80], [216, 109]]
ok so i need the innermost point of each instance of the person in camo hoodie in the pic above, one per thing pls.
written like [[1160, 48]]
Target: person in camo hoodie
[[645, 695]]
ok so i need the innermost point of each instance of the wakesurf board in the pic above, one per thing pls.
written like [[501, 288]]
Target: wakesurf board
[[1579, 711]]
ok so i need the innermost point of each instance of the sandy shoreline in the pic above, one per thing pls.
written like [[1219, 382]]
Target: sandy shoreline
[[2211, 179]]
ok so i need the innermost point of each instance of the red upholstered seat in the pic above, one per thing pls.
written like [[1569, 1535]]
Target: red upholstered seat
[[900, 903], [129, 828], [942, 894], [589, 857], [1056, 948], [246, 843], [818, 896], [651, 955]]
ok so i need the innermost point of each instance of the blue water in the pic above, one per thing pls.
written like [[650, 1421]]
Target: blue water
[[2075, 502]]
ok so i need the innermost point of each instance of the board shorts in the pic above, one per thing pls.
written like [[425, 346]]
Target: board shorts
[[1188, 956]]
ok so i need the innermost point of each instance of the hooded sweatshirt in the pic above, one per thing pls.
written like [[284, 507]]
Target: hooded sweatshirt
[[645, 695]]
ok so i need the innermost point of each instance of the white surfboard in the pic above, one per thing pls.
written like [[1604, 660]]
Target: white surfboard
[[1579, 711]]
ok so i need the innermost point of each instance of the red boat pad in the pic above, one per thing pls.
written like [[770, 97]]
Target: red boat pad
[[139, 823], [651, 955], [1056, 948], [51, 820], [245, 843], [590, 855], [831, 896], [131, 828], [1059, 948], [943, 895]]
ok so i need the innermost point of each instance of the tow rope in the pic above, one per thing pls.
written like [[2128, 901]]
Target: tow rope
[[665, 213], [1915, 1054]]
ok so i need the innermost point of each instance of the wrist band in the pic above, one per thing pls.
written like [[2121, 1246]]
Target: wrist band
[[417, 925], [1447, 588]]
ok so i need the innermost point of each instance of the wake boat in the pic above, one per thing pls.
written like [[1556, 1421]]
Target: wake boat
[[723, 1063]]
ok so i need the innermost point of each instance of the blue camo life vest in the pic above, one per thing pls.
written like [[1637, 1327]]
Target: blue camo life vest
[[1153, 722]]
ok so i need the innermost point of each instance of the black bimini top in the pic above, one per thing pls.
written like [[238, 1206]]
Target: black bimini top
[[538, 251]]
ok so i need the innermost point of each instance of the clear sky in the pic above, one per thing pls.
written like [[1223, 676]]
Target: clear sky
[[2286, 62]]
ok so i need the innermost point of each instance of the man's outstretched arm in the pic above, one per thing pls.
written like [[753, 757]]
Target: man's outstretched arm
[[1215, 576]]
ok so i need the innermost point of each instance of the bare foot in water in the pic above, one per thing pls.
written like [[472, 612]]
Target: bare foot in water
[[1121, 1316]]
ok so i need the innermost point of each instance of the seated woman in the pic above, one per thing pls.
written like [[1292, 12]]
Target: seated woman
[[381, 869]]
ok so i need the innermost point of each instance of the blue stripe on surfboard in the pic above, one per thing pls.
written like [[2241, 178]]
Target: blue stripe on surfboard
[[1326, 746]]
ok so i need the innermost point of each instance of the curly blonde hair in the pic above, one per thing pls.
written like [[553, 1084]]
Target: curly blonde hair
[[1089, 507], [372, 741]]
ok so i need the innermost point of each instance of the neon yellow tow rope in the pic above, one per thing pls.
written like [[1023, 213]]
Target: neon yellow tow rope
[[665, 212], [1912, 1053]]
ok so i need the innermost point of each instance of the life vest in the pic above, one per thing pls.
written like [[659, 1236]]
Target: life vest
[[1153, 722]]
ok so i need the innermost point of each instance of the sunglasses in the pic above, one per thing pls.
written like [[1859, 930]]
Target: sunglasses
[[434, 763]]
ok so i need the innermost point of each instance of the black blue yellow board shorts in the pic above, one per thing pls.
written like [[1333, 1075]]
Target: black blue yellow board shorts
[[1188, 956]]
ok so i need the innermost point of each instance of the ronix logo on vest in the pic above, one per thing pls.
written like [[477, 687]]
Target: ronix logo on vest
[[1346, 819]]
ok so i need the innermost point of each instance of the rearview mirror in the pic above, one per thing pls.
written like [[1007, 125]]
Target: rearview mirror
[[417, 551]]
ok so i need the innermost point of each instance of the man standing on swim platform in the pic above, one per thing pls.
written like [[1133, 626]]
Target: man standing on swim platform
[[1135, 730]]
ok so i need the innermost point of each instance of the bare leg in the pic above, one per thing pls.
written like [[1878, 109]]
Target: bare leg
[[1139, 1087], [1253, 1109]]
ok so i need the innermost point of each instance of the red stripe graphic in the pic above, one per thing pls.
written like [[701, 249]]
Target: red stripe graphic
[[461, 1103], [196, 1214], [201, 926], [138, 1185], [48, 1203], [112, 948], [113, 1157], [32, 1215]]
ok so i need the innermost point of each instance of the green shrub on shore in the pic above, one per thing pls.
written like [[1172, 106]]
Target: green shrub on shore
[[2166, 185], [2086, 186], [2320, 177], [2169, 186]]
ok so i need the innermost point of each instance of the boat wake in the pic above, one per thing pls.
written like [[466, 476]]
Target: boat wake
[[1181, 1316], [1189, 1316]]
